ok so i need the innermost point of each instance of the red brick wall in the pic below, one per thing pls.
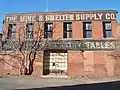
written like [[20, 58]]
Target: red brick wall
[[20, 31], [86, 63], [38, 65], [92, 64], [99, 64], [77, 32], [5, 30], [75, 64], [79, 64], [114, 29], [57, 30], [97, 30], [11, 62], [38, 30]]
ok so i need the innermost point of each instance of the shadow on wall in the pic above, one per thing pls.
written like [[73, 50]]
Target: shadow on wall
[[98, 86]]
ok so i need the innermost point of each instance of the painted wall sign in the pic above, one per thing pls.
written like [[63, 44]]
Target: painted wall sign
[[20, 18], [83, 44], [86, 45]]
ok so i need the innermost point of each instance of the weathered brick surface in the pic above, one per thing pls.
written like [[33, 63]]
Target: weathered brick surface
[[114, 29], [97, 29], [86, 63], [75, 64], [58, 30], [10, 63], [77, 32]]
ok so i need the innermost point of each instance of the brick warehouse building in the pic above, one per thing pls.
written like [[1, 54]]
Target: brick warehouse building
[[79, 42]]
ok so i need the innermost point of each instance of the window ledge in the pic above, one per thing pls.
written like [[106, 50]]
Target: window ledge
[[47, 39], [86, 38], [108, 38], [66, 39]]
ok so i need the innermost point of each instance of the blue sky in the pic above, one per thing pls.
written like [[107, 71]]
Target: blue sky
[[16, 6]]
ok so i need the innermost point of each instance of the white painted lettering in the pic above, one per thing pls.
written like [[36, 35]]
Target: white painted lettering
[[22, 18], [112, 45], [100, 16], [102, 45], [92, 45], [82, 16], [62, 17], [11, 19], [91, 16], [57, 17], [67, 17], [33, 18], [77, 17], [28, 19], [107, 45], [52, 17], [71, 16], [41, 18], [87, 44], [97, 45], [87, 16], [95, 17], [113, 16], [47, 18], [15, 19], [107, 16], [7, 19]]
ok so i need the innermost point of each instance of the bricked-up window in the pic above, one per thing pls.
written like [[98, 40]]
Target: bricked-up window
[[11, 31], [30, 29], [48, 30], [87, 29], [67, 26], [107, 30]]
